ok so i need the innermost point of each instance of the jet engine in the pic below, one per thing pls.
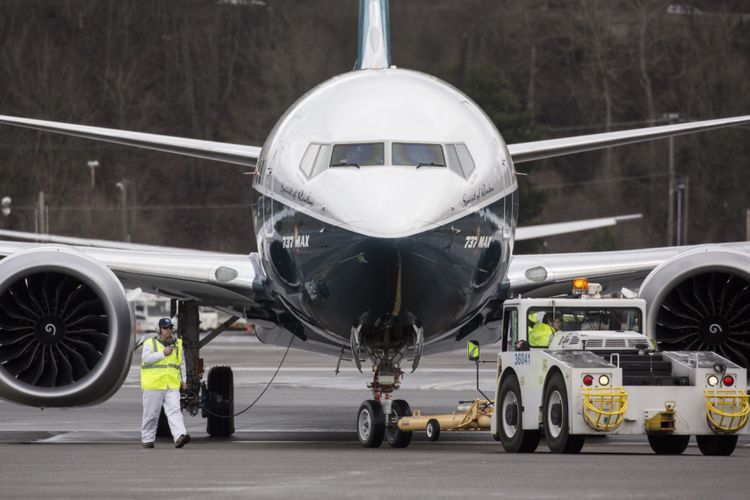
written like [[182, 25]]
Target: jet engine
[[700, 300], [66, 334]]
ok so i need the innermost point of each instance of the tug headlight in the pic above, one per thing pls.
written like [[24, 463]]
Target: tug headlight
[[712, 380], [603, 380]]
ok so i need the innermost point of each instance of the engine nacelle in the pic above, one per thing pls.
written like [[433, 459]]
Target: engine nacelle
[[700, 300], [66, 329]]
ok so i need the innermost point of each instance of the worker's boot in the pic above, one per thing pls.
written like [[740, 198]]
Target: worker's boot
[[182, 441]]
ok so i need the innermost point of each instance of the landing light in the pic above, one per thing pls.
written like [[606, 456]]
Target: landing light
[[712, 380], [588, 380], [728, 380], [603, 380]]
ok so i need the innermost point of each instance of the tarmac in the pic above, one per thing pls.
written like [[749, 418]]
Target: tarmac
[[299, 441]]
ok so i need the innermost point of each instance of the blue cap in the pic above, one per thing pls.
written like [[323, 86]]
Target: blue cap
[[165, 323]]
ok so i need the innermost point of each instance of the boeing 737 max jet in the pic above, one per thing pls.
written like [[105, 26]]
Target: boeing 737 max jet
[[386, 217]]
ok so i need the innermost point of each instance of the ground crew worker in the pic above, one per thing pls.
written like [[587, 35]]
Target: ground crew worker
[[162, 370], [542, 332]]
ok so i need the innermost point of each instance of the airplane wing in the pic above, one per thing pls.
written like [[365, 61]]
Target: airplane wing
[[537, 150], [220, 151], [210, 278], [545, 230], [90, 242], [544, 274]]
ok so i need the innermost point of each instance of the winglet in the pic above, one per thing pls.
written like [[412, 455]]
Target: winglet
[[374, 46]]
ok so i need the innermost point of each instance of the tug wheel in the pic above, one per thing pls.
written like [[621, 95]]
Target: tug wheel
[[668, 444], [717, 445], [512, 435], [556, 415]]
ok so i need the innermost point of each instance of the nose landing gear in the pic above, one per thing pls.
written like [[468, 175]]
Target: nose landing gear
[[377, 418], [374, 424], [386, 343]]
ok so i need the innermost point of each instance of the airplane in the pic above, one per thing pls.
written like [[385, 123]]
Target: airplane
[[386, 211]]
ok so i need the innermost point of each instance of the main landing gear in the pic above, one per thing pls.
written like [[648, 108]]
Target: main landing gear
[[215, 397]]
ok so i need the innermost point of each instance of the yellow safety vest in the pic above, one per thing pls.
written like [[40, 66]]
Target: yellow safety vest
[[165, 373], [540, 335]]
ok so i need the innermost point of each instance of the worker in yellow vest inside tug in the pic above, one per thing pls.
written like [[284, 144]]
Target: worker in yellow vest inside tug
[[541, 334], [162, 373]]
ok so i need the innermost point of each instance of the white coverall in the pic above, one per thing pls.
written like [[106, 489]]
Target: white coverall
[[154, 399]]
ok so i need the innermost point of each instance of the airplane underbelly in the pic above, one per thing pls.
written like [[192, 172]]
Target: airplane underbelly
[[336, 279]]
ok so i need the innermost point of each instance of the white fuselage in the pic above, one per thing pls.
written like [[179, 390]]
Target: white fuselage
[[401, 183]]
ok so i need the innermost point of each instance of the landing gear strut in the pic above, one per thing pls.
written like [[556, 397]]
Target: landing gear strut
[[217, 395], [188, 322]]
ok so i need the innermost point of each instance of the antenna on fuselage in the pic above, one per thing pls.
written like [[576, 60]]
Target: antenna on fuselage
[[374, 44]]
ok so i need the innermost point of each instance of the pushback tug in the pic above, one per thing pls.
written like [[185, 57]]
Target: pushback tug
[[600, 375]]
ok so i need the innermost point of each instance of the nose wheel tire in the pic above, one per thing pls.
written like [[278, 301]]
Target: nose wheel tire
[[370, 424], [557, 418], [433, 429], [512, 435], [717, 445], [395, 436]]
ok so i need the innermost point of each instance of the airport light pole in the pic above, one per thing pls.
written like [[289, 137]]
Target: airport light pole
[[681, 188], [673, 118], [123, 187], [41, 215], [685, 219], [93, 165]]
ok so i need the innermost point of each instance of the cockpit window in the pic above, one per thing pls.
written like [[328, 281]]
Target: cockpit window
[[467, 163], [459, 160], [315, 159], [421, 155], [358, 155], [308, 160]]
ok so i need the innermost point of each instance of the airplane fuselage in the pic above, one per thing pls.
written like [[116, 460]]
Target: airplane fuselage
[[387, 201]]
